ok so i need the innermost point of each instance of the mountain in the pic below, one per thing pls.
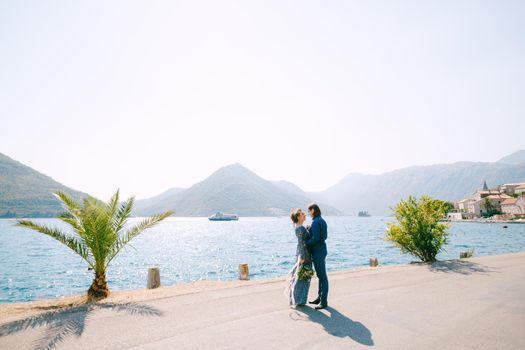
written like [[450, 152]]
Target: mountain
[[377, 193], [24, 192], [289, 187], [517, 157], [232, 189], [143, 204]]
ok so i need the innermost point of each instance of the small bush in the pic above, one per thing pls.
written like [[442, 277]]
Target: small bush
[[418, 230]]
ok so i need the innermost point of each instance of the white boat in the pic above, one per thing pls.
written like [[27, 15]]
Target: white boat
[[218, 216]]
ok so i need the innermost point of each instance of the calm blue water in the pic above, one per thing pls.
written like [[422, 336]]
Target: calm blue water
[[34, 266]]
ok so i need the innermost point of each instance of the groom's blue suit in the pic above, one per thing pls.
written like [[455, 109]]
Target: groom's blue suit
[[319, 233]]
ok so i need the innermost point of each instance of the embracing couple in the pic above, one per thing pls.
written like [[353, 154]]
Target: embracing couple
[[311, 248]]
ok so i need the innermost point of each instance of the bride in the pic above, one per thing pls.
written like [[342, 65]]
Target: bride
[[298, 282]]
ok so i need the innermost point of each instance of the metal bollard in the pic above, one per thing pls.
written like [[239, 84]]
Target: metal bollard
[[244, 272], [153, 277], [374, 262]]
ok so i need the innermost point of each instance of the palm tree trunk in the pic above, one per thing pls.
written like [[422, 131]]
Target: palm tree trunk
[[99, 287]]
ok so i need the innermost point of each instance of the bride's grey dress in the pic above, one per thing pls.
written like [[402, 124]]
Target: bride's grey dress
[[298, 289]]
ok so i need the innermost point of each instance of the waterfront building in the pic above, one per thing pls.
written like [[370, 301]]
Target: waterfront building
[[514, 188], [514, 206], [455, 216], [496, 199], [480, 194], [462, 206], [520, 189]]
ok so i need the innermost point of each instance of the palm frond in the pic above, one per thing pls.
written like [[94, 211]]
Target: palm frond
[[71, 205], [100, 232], [136, 230], [123, 214], [73, 209], [72, 221], [71, 242], [113, 204]]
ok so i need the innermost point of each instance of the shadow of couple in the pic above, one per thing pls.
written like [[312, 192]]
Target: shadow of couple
[[337, 324], [70, 321]]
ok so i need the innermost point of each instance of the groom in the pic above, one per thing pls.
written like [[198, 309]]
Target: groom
[[318, 234]]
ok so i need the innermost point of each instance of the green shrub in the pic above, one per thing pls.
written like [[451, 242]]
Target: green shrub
[[418, 230]]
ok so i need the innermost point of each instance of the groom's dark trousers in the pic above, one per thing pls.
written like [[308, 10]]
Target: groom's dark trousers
[[319, 233]]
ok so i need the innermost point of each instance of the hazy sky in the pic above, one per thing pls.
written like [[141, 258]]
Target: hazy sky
[[157, 94]]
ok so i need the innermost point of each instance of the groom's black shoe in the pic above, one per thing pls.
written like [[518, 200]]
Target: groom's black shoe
[[315, 302], [322, 306]]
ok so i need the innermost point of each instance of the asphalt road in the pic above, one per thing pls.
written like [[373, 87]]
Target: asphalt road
[[476, 303]]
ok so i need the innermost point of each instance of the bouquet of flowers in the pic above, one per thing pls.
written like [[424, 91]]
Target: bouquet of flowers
[[305, 272]]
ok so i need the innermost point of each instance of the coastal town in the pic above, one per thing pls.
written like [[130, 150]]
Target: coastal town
[[504, 202]]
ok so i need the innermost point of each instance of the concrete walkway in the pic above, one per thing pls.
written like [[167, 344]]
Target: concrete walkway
[[476, 303]]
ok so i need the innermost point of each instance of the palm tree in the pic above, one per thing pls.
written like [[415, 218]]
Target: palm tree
[[100, 233]]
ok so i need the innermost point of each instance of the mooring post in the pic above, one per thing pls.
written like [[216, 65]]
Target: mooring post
[[244, 272], [153, 277]]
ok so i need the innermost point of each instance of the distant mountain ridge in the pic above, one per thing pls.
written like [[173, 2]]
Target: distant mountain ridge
[[231, 189], [517, 157], [24, 192], [377, 193], [143, 204]]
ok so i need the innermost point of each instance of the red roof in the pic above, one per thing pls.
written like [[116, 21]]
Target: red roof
[[495, 196], [509, 201]]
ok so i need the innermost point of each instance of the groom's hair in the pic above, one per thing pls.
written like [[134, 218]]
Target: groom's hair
[[294, 215], [315, 208]]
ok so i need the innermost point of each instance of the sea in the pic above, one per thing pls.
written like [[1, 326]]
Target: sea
[[34, 266]]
